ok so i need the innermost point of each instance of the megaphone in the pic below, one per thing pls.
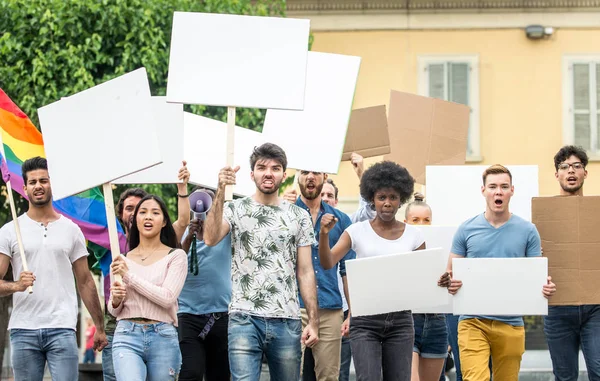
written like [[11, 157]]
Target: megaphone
[[200, 203]]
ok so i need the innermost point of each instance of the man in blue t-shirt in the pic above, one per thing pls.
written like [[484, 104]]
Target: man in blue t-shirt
[[203, 305], [494, 234]]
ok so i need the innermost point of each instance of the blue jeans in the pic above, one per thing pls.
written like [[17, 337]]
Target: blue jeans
[[568, 328], [89, 357], [251, 336], [108, 370], [31, 348], [346, 356], [452, 323], [431, 336], [146, 352]]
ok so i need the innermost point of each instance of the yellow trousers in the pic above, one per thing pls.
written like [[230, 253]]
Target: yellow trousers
[[478, 339]]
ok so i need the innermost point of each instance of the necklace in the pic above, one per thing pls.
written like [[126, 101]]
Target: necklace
[[147, 256]]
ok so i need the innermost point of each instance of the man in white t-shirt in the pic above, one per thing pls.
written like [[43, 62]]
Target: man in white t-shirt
[[42, 324]]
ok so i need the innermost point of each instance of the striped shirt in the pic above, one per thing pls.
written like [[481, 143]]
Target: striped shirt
[[152, 290]]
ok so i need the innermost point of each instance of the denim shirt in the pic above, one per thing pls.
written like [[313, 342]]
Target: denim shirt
[[328, 291]]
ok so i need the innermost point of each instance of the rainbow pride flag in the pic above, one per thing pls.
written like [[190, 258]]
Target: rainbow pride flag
[[21, 141]]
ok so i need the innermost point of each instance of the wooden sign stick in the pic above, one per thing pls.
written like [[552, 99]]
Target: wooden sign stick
[[230, 147], [13, 211], [109, 205]]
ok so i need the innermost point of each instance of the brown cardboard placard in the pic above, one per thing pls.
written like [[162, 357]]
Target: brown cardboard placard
[[367, 133], [568, 227], [426, 131]]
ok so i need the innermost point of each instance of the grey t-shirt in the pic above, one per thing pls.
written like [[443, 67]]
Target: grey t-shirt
[[50, 252]]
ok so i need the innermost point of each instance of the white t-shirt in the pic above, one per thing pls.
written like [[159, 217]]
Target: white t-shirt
[[366, 243], [50, 252]]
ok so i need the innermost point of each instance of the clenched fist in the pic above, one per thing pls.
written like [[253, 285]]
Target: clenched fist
[[328, 221]]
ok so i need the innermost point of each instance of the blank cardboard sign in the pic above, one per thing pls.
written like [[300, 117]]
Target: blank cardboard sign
[[204, 148], [568, 227], [168, 119], [426, 131], [367, 133], [395, 282], [82, 134], [439, 237], [243, 61], [500, 286], [321, 127], [453, 204]]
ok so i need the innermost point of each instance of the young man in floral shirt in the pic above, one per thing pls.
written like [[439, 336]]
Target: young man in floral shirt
[[271, 241]]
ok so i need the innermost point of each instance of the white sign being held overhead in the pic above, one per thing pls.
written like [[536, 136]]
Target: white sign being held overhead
[[454, 191], [241, 61], [314, 138], [168, 120], [84, 134], [204, 148]]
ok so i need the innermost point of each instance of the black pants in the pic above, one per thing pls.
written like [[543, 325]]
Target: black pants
[[203, 358]]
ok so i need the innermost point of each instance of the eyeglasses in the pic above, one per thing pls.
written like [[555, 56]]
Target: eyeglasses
[[565, 166]]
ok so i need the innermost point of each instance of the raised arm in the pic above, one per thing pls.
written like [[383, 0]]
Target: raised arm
[[215, 226], [330, 256], [183, 203]]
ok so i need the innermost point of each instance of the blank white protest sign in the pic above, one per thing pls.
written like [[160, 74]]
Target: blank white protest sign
[[395, 282], [454, 191], [242, 61], [313, 139], [500, 286], [168, 119], [83, 134], [439, 236], [204, 148]]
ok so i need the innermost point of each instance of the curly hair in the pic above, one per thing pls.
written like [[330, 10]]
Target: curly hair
[[567, 151], [387, 174]]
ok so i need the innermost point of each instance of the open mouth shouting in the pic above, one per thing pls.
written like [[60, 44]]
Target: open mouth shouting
[[498, 202], [572, 180], [148, 225]]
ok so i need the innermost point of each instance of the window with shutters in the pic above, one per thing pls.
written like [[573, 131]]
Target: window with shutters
[[581, 91], [455, 79]]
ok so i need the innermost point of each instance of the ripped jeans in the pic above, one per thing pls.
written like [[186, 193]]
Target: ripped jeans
[[146, 352]]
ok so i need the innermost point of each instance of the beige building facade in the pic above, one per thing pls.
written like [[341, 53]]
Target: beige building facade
[[528, 96]]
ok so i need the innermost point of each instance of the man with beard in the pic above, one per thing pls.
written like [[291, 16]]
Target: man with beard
[[125, 209], [42, 325], [271, 241], [569, 328], [331, 315]]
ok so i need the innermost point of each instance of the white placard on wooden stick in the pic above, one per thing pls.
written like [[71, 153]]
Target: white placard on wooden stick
[[168, 119], [205, 145], [453, 205], [100, 134], [241, 61], [396, 282], [500, 286], [322, 125]]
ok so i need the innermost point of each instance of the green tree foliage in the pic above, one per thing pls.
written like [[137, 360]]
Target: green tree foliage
[[54, 48]]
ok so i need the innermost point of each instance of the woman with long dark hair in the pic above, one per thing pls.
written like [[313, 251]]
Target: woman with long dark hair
[[145, 345]]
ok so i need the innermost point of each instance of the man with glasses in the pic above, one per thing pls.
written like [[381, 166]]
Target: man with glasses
[[569, 328]]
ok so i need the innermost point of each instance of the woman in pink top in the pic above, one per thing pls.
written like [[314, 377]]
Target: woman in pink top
[[145, 345]]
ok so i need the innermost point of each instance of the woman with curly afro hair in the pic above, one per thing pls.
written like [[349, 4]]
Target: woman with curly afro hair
[[382, 345]]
